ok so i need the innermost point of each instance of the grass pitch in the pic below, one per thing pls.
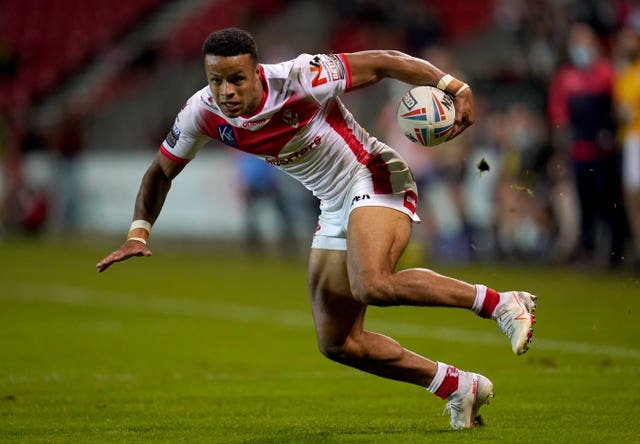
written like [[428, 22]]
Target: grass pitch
[[195, 347]]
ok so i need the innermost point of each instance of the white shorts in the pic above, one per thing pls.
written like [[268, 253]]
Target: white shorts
[[331, 232], [631, 162]]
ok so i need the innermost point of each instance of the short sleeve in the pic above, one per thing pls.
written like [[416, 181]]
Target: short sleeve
[[324, 76], [185, 138]]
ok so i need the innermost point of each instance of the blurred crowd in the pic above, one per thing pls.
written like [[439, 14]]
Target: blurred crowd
[[550, 172]]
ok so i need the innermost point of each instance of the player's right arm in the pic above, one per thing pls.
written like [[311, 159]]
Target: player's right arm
[[154, 188], [179, 147]]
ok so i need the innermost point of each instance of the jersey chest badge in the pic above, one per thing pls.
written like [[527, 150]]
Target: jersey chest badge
[[227, 135], [291, 118]]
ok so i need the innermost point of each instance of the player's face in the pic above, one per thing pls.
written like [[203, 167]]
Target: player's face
[[234, 82]]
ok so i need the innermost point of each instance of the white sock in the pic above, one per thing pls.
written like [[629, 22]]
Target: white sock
[[481, 293], [438, 378]]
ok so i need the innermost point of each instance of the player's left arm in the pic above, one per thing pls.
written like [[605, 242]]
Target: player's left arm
[[369, 67]]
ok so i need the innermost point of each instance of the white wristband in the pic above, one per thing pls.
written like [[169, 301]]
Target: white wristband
[[444, 82], [140, 224]]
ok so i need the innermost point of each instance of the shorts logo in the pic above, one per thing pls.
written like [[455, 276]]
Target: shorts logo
[[227, 135], [410, 200], [359, 198]]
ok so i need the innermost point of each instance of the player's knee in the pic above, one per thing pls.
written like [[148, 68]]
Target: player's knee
[[372, 290], [333, 352], [336, 352]]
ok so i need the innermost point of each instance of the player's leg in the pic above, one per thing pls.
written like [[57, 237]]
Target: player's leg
[[339, 320], [376, 238], [341, 337]]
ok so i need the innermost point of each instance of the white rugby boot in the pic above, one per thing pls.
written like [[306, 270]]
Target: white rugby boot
[[473, 392], [514, 316]]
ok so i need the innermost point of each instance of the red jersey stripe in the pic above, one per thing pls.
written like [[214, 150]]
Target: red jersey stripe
[[375, 163], [269, 140]]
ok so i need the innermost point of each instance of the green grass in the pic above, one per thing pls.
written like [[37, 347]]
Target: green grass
[[190, 346]]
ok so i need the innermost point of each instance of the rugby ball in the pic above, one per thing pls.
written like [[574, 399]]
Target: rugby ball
[[426, 115]]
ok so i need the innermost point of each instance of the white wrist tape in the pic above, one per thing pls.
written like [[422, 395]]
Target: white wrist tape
[[139, 231], [140, 224], [444, 82]]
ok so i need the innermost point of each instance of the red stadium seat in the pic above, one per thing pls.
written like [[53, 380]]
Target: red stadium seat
[[64, 35]]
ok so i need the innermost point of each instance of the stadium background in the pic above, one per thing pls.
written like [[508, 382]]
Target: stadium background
[[88, 91], [208, 344]]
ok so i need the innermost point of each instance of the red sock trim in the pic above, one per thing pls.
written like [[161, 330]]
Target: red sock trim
[[449, 383], [491, 300]]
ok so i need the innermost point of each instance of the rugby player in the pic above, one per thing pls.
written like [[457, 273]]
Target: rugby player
[[289, 114]]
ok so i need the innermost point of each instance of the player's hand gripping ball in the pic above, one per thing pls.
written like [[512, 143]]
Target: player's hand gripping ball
[[426, 115]]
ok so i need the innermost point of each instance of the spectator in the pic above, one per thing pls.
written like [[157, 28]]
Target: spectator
[[627, 100], [581, 114]]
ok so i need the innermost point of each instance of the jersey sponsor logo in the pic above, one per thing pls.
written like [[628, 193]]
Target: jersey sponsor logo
[[316, 66], [227, 135], [173, 136], [256, 124], [326, 67], [279, 161], [335, 67]]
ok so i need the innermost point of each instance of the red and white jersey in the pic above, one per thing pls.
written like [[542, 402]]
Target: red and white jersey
[[301, 127]]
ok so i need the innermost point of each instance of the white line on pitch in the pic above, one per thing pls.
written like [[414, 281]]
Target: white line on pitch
[[78, 296]]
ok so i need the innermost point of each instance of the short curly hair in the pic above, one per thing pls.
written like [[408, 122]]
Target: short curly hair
[[230, 42]]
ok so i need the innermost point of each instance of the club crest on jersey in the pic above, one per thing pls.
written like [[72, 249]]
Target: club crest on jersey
[[227, 135], [291, 118]]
